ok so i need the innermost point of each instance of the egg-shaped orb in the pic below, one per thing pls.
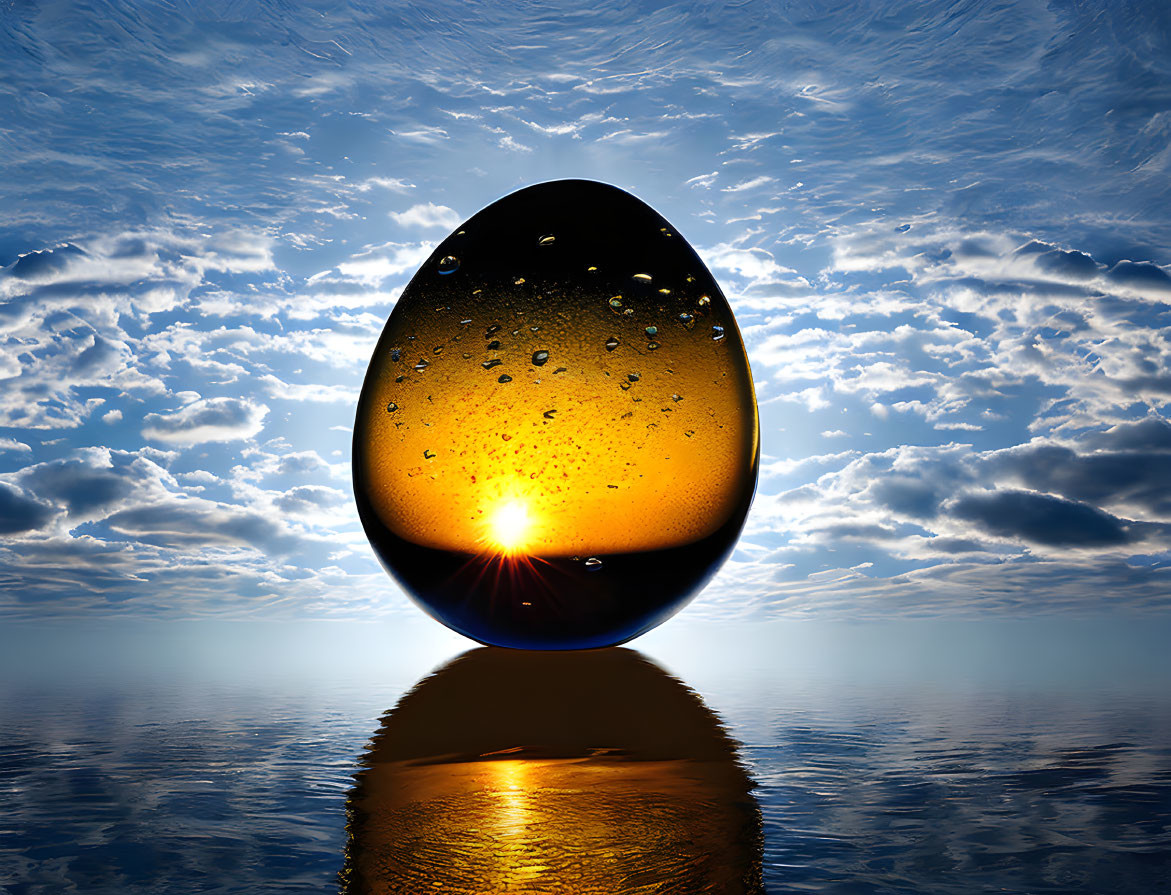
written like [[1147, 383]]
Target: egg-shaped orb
[[557, 440]]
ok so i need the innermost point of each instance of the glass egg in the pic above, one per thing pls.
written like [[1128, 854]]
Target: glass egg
[[557, 441]]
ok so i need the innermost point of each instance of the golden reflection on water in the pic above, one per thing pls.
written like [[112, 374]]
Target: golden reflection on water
[[515, 772]]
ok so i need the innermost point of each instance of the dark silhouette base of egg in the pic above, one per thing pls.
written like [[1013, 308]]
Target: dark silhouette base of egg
[[554, 603]]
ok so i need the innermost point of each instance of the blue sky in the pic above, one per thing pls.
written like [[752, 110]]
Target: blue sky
[[944, 230]]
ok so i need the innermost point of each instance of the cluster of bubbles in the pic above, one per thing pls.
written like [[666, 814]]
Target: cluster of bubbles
[[449, 264]]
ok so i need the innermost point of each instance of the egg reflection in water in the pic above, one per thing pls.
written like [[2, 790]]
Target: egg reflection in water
[[561, 772], [557, 441]]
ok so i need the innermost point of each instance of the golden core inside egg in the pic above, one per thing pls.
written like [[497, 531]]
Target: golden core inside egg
[[615, 441]]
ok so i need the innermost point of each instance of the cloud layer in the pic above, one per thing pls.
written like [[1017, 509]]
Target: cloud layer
[[945, 237]]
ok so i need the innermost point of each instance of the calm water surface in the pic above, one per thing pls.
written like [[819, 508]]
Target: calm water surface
[[942, 773]]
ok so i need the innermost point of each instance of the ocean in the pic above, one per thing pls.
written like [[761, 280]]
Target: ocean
[[900, 758]]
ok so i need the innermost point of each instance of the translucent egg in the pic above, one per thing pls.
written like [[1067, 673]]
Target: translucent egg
[[534, 495]]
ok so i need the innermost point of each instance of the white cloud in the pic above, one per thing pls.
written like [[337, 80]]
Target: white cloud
[[751, 184], [424, 133], [374, 265], [315, 392], [776, 468], [564, 128], [758, 266], [743, 142], [208, 419], [813, 398], [703, 181], [394, 184], [427, 215], [510, 143], [627, 136]]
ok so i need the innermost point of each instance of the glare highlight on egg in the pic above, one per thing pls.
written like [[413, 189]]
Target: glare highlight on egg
[[557, 442], [510, 525]]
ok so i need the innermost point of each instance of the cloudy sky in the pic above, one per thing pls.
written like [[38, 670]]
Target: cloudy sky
[[945, 230]]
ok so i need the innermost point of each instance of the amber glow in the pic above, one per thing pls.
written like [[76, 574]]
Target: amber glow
[[608, 444], [515, 814], [551, 827]]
